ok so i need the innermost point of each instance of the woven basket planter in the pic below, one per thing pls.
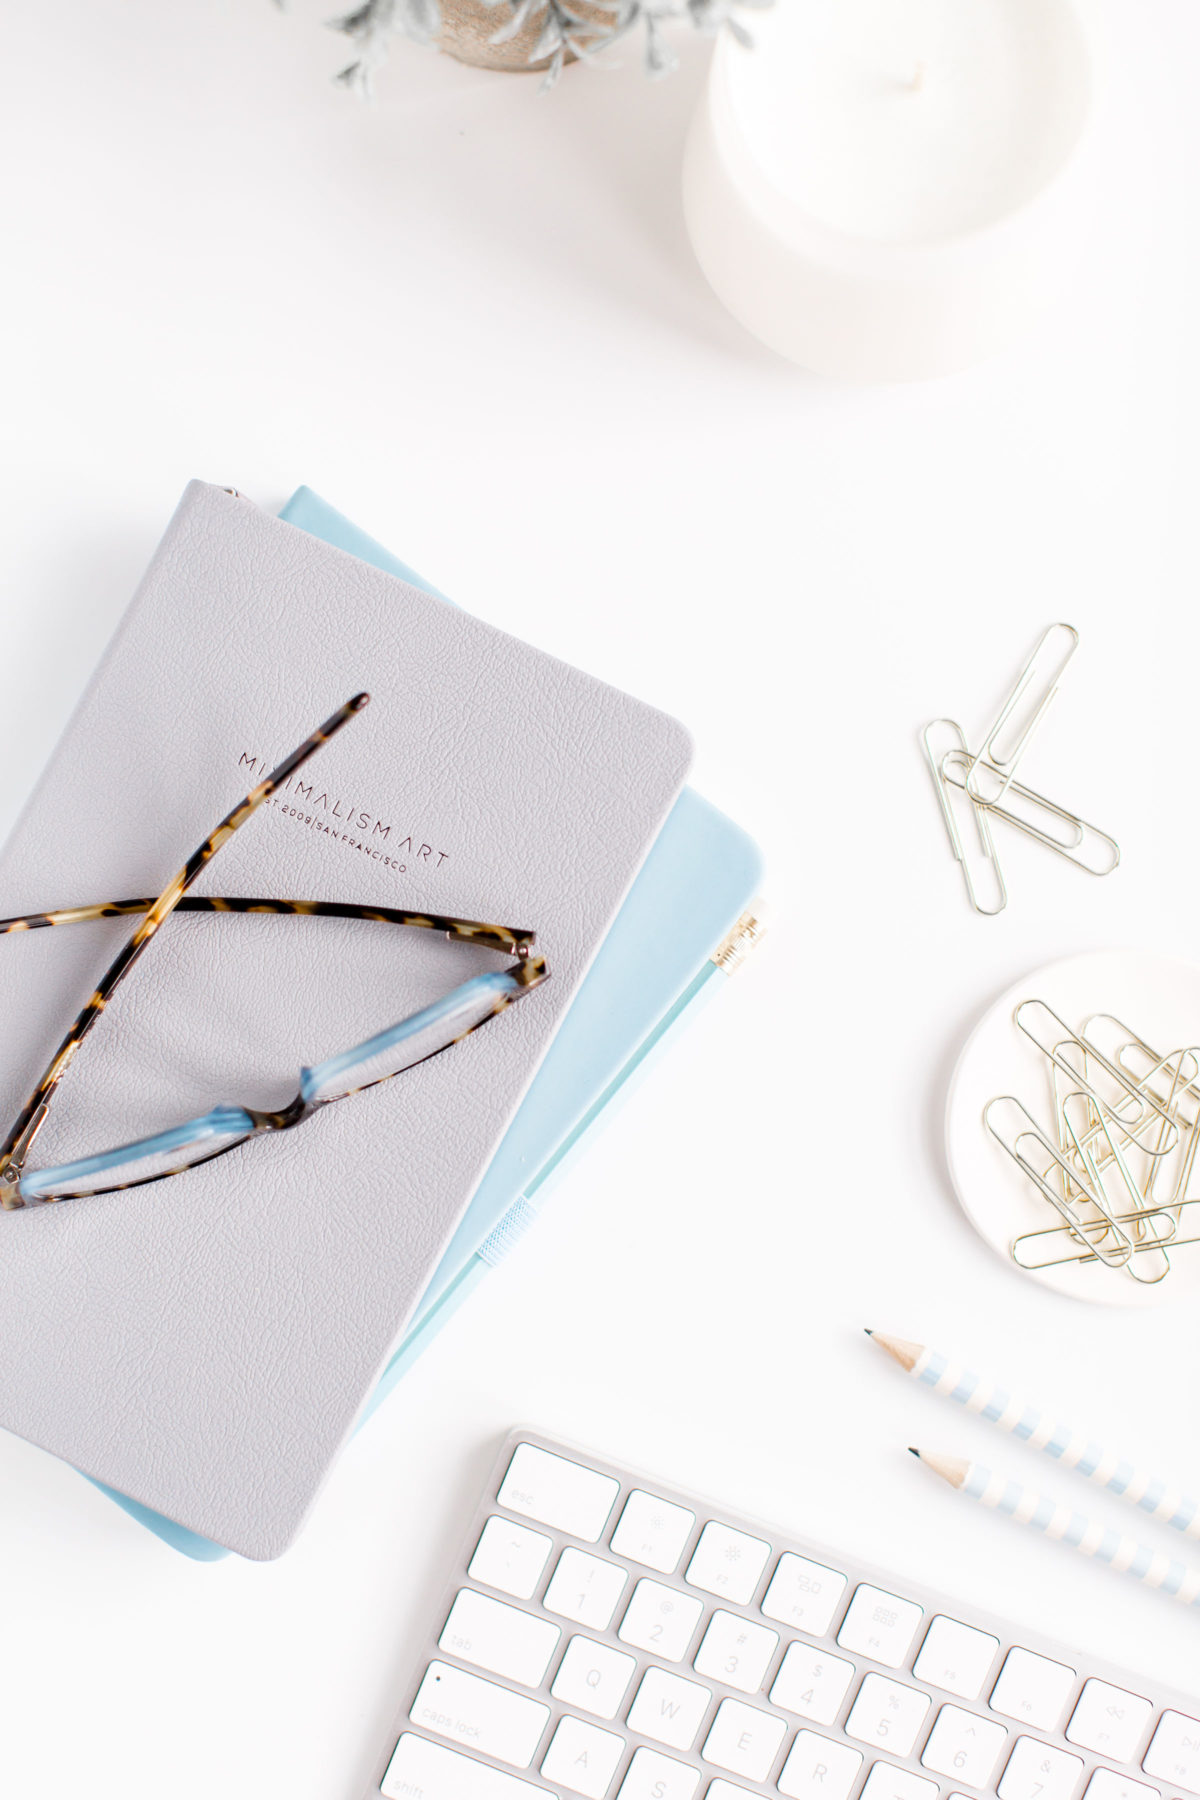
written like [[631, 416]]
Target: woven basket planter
[[468, 26]]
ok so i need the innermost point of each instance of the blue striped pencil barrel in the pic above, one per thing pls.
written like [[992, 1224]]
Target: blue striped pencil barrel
[[1068, 1447], [1089, 1536]]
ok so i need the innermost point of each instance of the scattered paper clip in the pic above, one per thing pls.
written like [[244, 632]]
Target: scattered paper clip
[[1008, 737], [982, 857], [1089, 848], [978, 788]]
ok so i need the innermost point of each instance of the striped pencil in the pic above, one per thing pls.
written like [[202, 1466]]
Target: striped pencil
[[1067, 1446], [1089, 1536]]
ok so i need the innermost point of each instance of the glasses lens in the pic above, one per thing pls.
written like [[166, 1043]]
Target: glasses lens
[[145, 1160], [435, 1028]]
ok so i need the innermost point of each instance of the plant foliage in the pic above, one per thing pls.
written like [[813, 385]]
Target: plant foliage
[[566, 33]]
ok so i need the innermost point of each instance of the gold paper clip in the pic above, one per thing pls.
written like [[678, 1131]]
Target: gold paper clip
[[1079, 1102], [1162, 1152], [1115, 1256], [1055, 1245], [1055, 1045], [1183, 1084], [1121, 1044]]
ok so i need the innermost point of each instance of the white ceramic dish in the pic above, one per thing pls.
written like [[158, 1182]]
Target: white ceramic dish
[[1159, 996]]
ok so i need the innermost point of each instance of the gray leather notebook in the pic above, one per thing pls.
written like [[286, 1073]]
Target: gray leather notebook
[[205, 1344]]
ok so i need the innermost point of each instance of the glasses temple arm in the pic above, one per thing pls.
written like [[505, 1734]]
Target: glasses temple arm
[[16, 1145], [507, 938]]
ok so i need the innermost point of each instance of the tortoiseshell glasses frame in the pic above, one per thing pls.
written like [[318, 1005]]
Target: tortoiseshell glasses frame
[[388, 1053]]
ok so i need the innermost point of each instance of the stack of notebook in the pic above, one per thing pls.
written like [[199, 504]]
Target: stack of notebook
[[496, 782]]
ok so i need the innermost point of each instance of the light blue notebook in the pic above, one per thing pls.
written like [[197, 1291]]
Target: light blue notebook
[[652, 970]]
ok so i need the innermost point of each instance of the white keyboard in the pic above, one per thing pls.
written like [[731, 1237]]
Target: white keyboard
[[607, 1637]]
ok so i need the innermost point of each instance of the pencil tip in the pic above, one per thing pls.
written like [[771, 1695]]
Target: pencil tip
[[899, 1349], [913, 1451], [868, 1331], [953, 1469]]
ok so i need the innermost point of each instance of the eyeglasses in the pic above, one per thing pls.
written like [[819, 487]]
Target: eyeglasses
[[414, 1040]]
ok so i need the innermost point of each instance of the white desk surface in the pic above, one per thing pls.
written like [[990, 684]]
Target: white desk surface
[[469, 317]]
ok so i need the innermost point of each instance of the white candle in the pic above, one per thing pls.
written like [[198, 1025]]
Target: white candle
[[885, 189]]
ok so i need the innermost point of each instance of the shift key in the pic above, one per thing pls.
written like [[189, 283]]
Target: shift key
[[420, 1770], [468, 1710]]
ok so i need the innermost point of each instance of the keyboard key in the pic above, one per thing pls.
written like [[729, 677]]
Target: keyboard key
[[500, 1638], [886, 1783], [1039, 1772], [804, 1594], [1105, 1785], [653, 1532], [1174, 1753], [660, 1619], [728, 1563], [655, 1777], [558, 1493], [956, 1657], [880, 1625], [1109, 1721], [435, 1773], [583, 1758], [594, 1677], [817, 1769], [964, 1746], [510, 1557], [720, 1789], [811, 1684], [736, 1652], [469, 1710], [586, 1589], [887, 1714], [744, 1740], [1032, 1689], [669, 1709]]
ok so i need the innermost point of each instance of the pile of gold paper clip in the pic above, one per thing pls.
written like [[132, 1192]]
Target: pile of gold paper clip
[[1117, 1163]]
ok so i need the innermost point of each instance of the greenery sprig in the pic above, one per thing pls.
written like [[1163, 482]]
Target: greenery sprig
[[566, 32]]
